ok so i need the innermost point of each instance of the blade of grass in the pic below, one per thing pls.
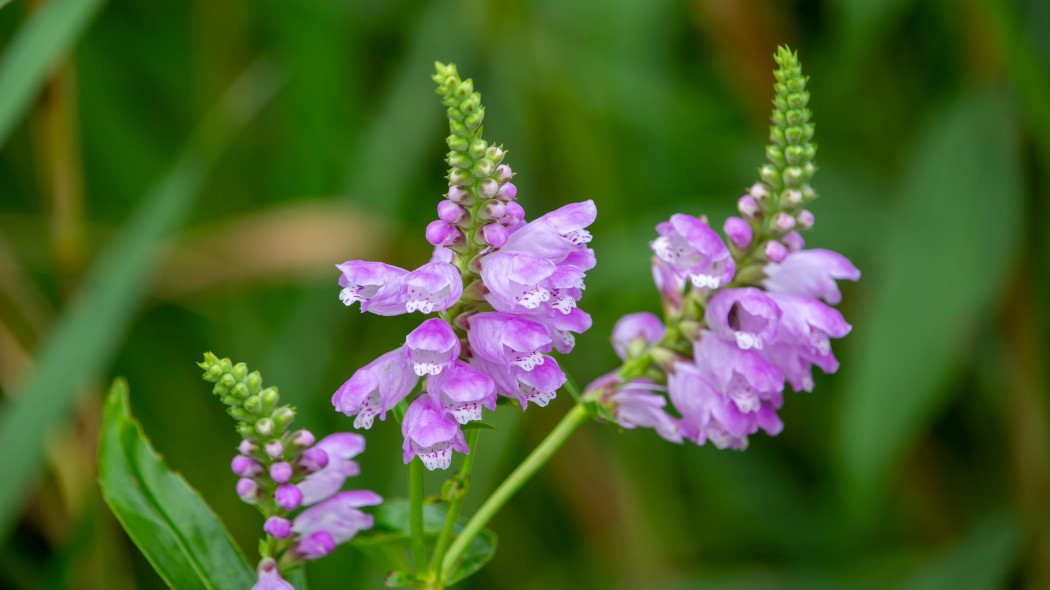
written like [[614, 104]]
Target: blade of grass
[[87, 335], [40, 43]]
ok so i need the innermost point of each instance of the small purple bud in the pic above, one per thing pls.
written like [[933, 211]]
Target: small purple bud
[[247, 447], [739, 231], [514, 213], [793, 241], [493, 209], [488, 188], [457, 194], [774, 251], [281, 472], [288, 496], [783, 222], [245, 466], [278, 527], [507, 192], [248, 490], [494, 234], [450, 212], [313, 459], [805, 219], [758, 191], [748, 207], [316, 544], [274, 448], [503, 173], [440, 233], [793, 197], [302, 439]]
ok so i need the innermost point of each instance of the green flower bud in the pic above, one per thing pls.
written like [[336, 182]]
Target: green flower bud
[[264, 427], [240, 371], [283, 418], [246, 430], [241, 415], [457, 143], [269, 398], [484, 168], [213, 374], [230, 400], [478, 148], [456, 114], [460, 177], [240, 391], [473, 120], [457, 127], [226, 364], [495, 154], [254, 404], [471, 104], [465, 89], [793, 176], [775, 155], [253, 381], [459, 160], [227, 380], [770, 176]]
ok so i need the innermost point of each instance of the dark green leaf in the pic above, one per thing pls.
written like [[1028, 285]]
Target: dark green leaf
[[944, 259], [163, 515]]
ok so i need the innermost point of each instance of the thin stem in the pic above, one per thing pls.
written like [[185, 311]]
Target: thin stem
[[415, 514], [538, 458], [454, 505]]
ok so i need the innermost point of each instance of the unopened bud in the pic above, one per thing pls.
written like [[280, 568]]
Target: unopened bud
[[281, 472], [459, 160], [240, 371], [793, 241], [503, 173], [283, 418], [277, 527], [254, 405], [769, 175], [302, 439], [264, 427], [484, 168], [312, 459], [226, 364], [288, 496], [440, 233], [793, 176], [738, 231], [449, 212], [805, 219], [792, 197], [492, 209], [748, 207], [248, 490], [488, 188], [477, 148], [758, 192], [473, 120], [460, 177], [227, 381], [240, 391], [253, 381], [507, 192], [456, 143], [248, 447], [495, 154], [774, 251], [514, 213], [783, 222], [494, 234], [274, 448], [245, 466]]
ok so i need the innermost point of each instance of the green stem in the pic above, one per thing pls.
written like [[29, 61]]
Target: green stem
[[454, 505], [415, 515], [538, 458]]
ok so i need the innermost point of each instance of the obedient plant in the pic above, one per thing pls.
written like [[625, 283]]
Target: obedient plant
[[743, 317]]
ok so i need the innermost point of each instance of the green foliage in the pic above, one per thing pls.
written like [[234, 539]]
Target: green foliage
[[176, 531]]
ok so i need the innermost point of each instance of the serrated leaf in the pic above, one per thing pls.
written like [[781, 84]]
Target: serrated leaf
[[173, 527]]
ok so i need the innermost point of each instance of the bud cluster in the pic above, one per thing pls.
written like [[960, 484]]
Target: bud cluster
[[281, 470], [480, 204], [773, 210]]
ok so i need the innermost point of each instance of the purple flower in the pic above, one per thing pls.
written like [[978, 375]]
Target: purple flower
[[634, 404], [278, 527], [435, 286], [245, 466], [738, 231], [375, 388], [695, 251], [508, 339], [707, 414], [288, 496], [269, 577], [555, 235], [339, 448], [810, 273], [560, 327], [462, 390], [746, 315], [432, 346], [669, 284], [281, 471], [431, 434], [803, 339], [376, 285], [514, 280], [743, 376], [636, 331], [333, 522], [539, 385]]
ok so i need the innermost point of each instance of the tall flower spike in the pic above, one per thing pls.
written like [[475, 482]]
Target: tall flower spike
[[791, 151]]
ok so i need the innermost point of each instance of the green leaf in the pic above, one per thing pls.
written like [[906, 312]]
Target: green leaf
[[944, 260], [87, 335], [478, 424], [983, 559], [40, 43], [387, 540], [163, 515]]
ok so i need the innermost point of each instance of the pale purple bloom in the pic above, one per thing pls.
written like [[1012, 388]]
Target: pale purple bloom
[[376, 285], [462, 390], [339, 448], [561, 326], [288, 496], [634, 405], [513, 280], [375, 388], [508, 339], [810, 273], [554, 235], [803, 339], [695, 251], [435, 286], [539, 385], [245, 466], [738, 231], [432, 346], [338, 517], [636, 331], [745, 315], [669, 284], [743, 376], [278, 527], [269, 577], [707, 414], [431, 434]]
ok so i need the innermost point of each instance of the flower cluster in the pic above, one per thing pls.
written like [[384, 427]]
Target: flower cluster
[[743, 318], [281, 471], [506, 291]]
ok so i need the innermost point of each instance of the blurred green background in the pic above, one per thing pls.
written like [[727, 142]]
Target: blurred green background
[[178, 177]]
